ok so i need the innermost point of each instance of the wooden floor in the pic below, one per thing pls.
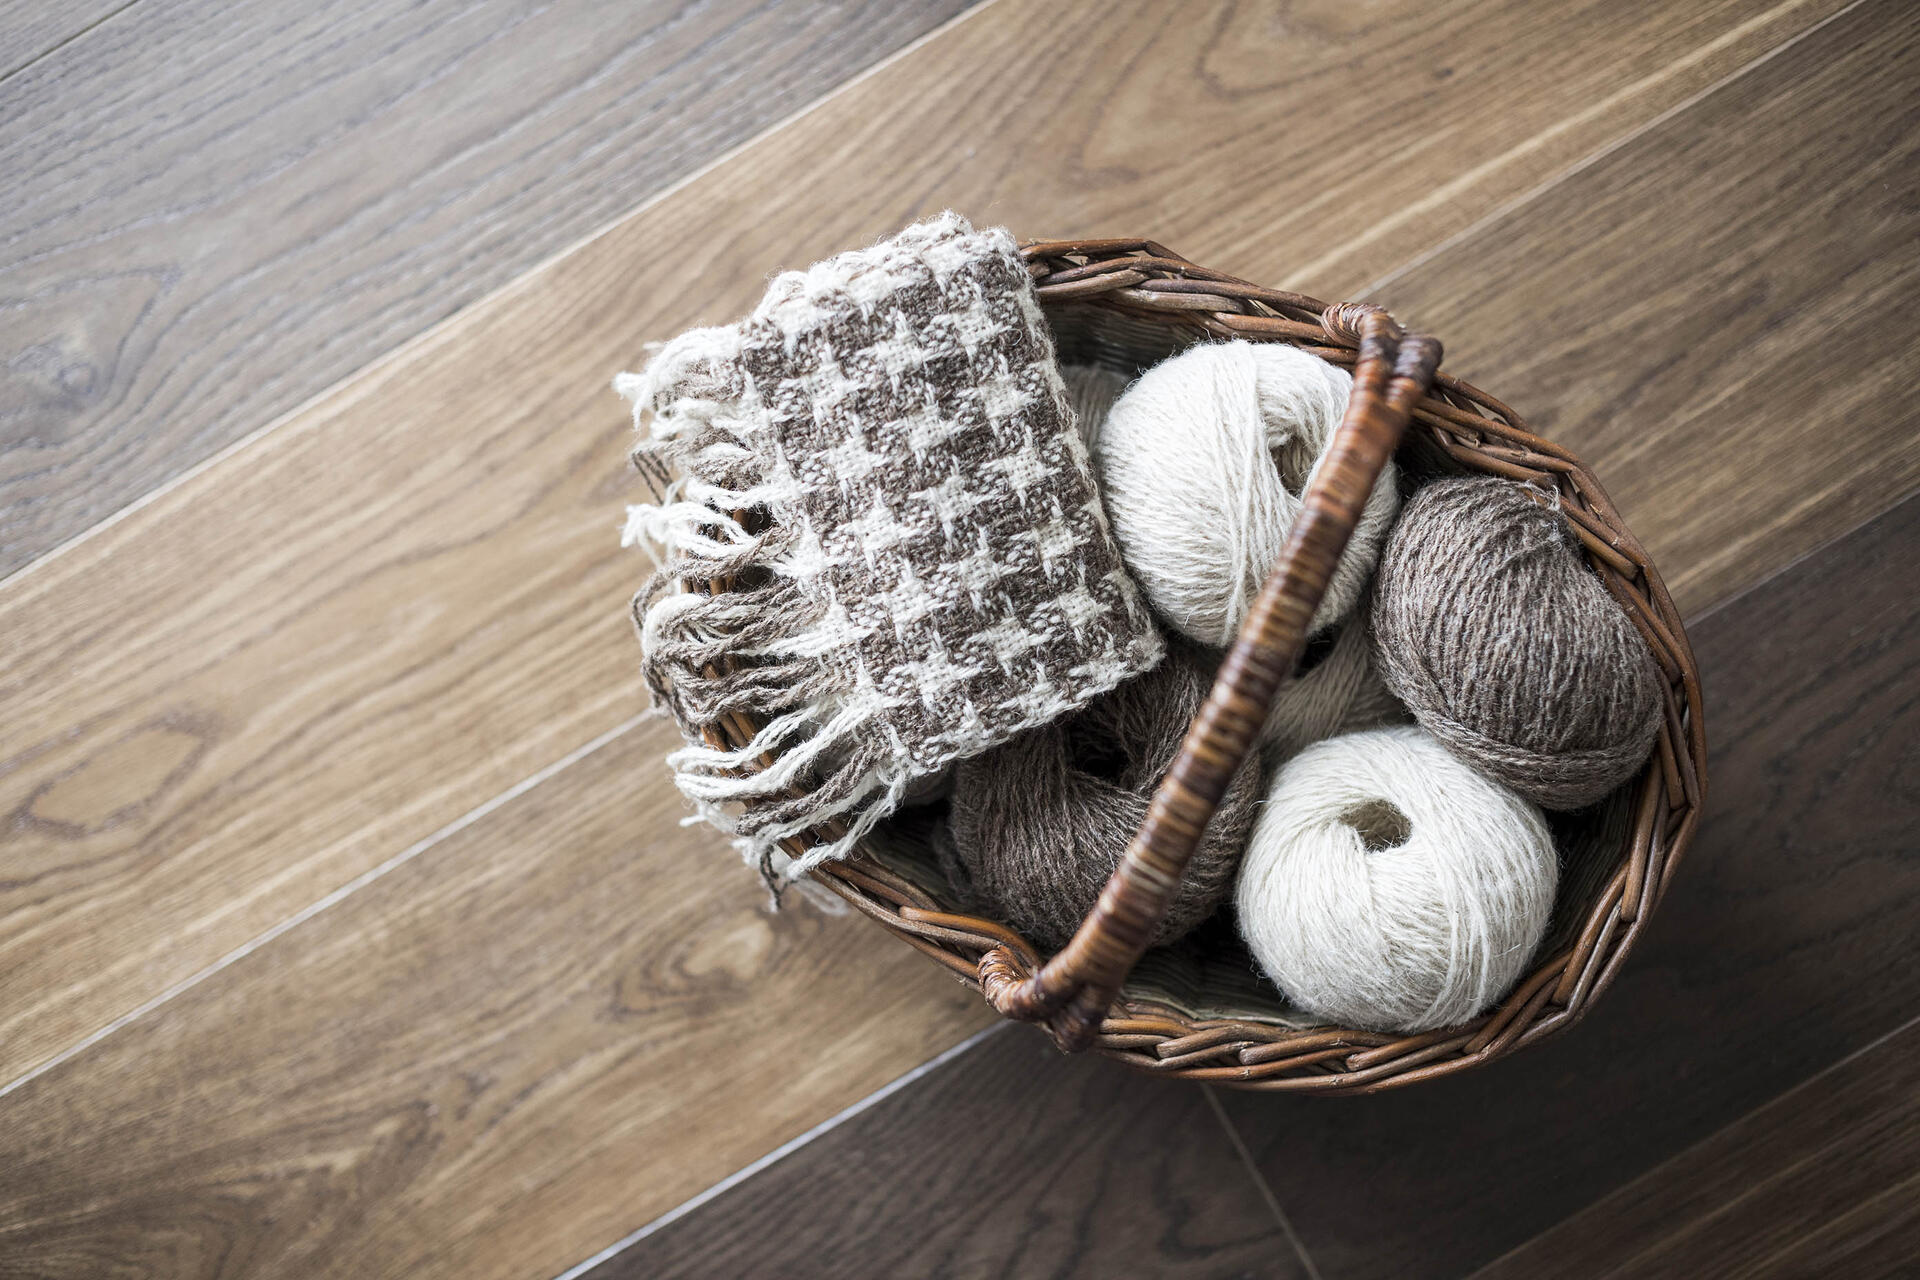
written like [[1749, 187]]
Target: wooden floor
[[346, 924]]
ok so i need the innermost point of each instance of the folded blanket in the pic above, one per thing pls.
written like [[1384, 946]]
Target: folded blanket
[[878, 475]]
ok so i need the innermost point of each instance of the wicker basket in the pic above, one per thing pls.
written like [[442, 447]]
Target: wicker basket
[[1197, 1010]]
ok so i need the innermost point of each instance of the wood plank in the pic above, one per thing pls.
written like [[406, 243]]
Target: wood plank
[[1008, 1161], [536, 1030], [1877, 1239], [1784, 943], [405, 600], [1722, 315], [30, 29], [216, 210], [1822, 1181]]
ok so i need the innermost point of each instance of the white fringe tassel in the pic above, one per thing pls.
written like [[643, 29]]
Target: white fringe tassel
[[757, 652]]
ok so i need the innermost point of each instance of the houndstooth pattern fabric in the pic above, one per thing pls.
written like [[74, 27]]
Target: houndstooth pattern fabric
[[898, 413]]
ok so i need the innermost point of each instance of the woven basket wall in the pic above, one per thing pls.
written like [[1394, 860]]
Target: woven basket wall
[[1198, 1010]]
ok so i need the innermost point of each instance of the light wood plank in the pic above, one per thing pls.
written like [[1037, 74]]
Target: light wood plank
[[535, 1031], [215, 210], [1723, 315], [30, 29], [1822, 1181], [407, 598]]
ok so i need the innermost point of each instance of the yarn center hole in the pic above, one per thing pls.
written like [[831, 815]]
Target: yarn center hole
[[1294, 461], [1380, 823]]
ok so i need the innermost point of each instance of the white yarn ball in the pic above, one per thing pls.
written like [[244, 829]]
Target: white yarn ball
[[1390, 887], [1091, 391], [1201, 466]]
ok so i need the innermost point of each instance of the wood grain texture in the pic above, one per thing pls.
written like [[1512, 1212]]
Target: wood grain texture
[[405, 600], [1007, 1161], [1730, 303], [216, 210], [534, 1032], [31, 29], [1822, 1181], [1784, 943]]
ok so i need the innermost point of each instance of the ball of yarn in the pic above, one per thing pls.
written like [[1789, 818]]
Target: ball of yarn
[[1037, 825], [1201, 466], [1091, 391], [1390, 887], [1489, 625], [1335, 689]]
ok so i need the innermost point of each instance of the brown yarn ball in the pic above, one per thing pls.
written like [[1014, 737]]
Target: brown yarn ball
[[1490, 626], [1037, 826]]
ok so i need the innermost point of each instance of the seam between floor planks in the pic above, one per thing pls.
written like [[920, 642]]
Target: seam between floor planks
[[62, 42], [440, 329], [1718, 1135], [1598, 155], [1253, 1170], [781, 1152], [345, 891], [201, 242], [1439, 195]]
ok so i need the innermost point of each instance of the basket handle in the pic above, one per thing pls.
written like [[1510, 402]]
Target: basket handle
[[1072, 992]]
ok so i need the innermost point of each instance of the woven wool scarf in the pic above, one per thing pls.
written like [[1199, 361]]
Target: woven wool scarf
[[878, 473]]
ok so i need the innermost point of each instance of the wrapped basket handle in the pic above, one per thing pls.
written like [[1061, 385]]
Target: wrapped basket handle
[[1072, 992]]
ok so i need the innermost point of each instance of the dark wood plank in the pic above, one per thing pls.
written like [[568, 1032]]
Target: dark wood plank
[[1822, 1181], [30, 29], [216, 210], [407, 598], [1785, 942], [1733, 299], [1878, 1238], [1008, 1161], [541, 1027]]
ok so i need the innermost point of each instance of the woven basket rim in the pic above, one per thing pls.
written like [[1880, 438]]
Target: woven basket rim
[[1146, 283]]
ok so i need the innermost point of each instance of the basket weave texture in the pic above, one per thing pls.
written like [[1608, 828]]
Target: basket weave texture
[[1196, 1011]]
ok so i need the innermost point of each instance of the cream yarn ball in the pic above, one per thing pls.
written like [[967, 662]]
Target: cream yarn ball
[[1390, 887], [1201, 466]]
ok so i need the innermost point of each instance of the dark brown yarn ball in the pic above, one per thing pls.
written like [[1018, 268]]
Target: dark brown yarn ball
[[1490, 626], [1037, 826]]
